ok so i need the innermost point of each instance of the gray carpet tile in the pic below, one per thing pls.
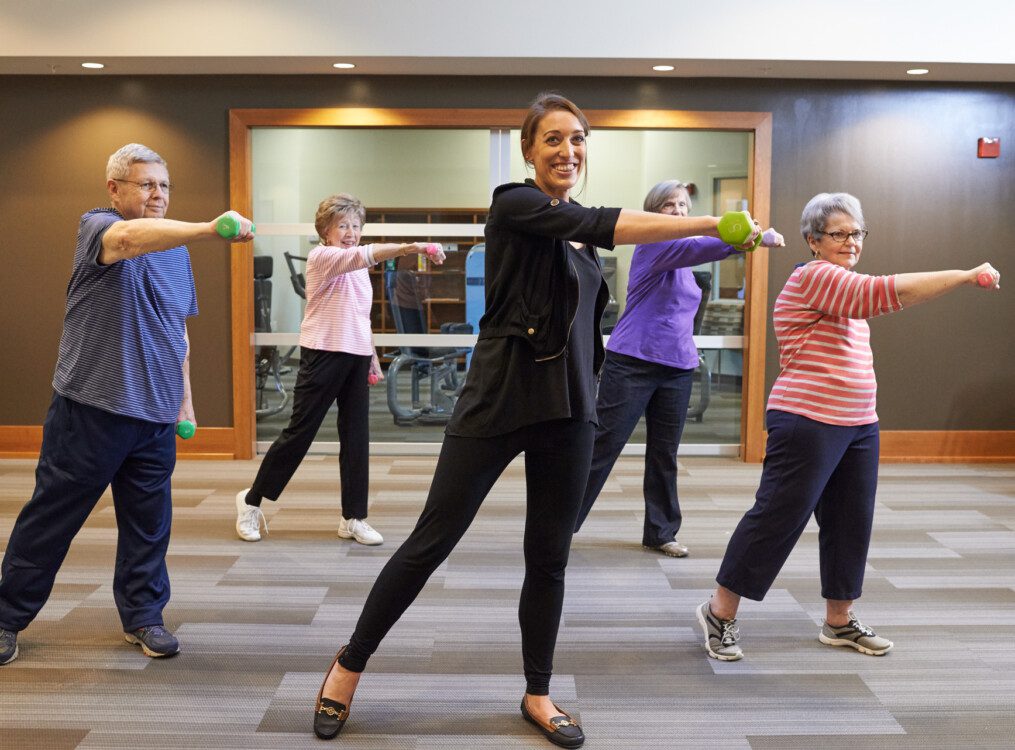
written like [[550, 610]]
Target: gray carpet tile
[[260, 622]]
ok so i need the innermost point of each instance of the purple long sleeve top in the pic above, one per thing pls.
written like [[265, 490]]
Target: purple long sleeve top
[[662, 298]]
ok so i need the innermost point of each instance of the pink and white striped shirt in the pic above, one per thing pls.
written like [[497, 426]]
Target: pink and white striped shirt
[[339, 296], [824, 343]]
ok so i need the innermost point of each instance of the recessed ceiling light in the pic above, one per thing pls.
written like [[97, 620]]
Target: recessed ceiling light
[[662, 68], [93, 66], [343, 66], [917, 71]]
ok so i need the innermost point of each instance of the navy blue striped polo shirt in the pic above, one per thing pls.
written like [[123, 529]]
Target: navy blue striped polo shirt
[[123, 344]]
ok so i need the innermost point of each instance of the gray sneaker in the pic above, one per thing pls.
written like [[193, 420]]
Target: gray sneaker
[[8, 646], [671, 549], [721, 636], [855, 635], [154, 640]]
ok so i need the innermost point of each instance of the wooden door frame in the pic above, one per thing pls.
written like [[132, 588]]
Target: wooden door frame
[[242, 121]]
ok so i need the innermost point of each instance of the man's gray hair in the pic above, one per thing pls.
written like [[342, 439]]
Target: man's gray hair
[[119, 163], [815, 216], [659, 194]]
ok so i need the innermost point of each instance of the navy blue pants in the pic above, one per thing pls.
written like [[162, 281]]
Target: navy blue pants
[[810, 467], [84, 451], [324, 378], [630, 387], [556, 467]]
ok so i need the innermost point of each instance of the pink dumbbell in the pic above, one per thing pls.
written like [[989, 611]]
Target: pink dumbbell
[[372, 378], [985, 279]]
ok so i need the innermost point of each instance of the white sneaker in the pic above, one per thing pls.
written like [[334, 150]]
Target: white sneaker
[[360, 530], [248, 519]]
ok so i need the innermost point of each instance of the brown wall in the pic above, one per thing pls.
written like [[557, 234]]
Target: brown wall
[[906, 150]]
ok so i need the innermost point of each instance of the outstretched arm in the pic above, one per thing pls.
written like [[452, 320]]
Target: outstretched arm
[[131, 238], [914, 288], [386, 250], [641, 227]]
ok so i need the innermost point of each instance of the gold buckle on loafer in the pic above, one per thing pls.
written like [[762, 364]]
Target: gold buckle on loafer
[[333, 712]]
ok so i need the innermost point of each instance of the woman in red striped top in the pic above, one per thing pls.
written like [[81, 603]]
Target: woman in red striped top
[[822, 451]]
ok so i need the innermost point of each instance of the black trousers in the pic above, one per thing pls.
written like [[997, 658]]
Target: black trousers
[[557, 455], [628, 388], [323, 379]]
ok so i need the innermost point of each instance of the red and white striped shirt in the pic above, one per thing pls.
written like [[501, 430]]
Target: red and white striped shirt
[[824, 343], [339, 296]]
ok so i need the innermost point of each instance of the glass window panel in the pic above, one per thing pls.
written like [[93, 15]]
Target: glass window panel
[[417, 176], [442, 176]]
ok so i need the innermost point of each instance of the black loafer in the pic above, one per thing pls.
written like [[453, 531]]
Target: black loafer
[[329, 715], [565, 732]]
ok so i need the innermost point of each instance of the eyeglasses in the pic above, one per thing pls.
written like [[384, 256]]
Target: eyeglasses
[[858, 236], [149, 186]]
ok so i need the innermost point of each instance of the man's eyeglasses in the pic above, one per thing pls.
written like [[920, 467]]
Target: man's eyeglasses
[[149, 186], [858, 236]]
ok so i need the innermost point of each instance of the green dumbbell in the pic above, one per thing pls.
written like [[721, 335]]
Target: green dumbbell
[[735, 227], [229, 226], [185, 429]]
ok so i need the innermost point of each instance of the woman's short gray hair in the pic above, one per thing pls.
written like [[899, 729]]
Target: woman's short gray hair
[[815, 216], [119, 163], [338, 205], [658, 195]]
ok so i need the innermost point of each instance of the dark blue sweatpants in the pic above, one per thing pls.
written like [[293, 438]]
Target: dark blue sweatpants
[[84, 451], [810, 467]]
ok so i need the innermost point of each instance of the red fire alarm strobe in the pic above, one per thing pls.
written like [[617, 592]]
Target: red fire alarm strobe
[[988, 148]]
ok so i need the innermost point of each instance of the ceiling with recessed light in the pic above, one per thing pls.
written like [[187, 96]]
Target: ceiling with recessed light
[[739, 39]]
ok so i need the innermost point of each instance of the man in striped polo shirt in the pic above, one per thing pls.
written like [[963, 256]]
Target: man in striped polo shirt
[[122, 383]]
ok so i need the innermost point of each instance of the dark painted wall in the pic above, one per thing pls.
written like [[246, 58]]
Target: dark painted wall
[[907, 150]]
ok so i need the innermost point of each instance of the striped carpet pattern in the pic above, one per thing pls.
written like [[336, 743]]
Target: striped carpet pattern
[[260, 622]]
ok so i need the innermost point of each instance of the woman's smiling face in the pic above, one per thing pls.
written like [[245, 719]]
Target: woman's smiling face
[[557, 153], [845, 254]]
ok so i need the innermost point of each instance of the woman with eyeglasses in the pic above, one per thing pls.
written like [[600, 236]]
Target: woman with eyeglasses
[[822, 450]]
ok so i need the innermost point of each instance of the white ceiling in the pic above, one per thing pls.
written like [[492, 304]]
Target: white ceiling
[[862, 39]]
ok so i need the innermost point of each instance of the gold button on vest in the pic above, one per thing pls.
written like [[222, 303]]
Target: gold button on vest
[[554, 202], [532, 331]]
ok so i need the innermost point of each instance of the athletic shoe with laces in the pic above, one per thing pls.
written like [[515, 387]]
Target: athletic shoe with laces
[[360, 530], [721, 636], [249, 519], [154, 640], [8, 646], [855, 635], [671, 549]]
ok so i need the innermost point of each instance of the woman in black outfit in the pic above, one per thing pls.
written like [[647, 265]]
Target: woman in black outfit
[[530, 388]]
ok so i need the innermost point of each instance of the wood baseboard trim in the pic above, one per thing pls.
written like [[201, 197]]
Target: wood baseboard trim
[[897, 446], [948, 446], [25, 441]]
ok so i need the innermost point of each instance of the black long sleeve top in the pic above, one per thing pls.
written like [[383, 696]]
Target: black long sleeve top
[[524, 369]]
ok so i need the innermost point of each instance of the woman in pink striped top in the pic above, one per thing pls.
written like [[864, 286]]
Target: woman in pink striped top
[[822, 451], [337, 360]]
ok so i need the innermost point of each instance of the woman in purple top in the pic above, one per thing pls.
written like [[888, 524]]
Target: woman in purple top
[[649, 362]]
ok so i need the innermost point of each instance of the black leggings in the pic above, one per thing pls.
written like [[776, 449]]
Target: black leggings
[[324, 378], [557, 456]]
